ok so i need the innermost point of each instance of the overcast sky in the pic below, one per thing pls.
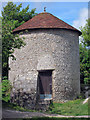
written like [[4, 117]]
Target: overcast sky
[[74, 13]]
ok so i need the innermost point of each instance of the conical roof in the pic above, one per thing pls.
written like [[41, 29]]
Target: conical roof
[[45, 20]]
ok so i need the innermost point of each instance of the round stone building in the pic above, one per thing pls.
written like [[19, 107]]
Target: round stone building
[[47, 67]]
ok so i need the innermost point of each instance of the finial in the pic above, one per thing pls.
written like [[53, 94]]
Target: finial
[[44, 9]]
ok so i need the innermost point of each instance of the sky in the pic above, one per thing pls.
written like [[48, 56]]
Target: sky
[[74, 13]]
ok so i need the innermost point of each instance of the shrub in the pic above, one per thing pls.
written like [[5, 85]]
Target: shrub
[[6, 88]]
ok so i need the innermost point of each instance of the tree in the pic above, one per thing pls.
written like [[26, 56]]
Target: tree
[[86, 33], [12, 17], [12, 12], [84, 64], [85, 54]]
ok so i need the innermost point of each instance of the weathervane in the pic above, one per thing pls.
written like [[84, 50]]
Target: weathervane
[[44, 9]]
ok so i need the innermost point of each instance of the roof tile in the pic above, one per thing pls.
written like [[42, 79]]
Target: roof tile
[[44, 20]]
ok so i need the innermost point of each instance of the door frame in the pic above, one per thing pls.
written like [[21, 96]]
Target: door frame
[[52, 84]]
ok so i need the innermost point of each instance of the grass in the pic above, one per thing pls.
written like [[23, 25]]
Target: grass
[[72, 108]]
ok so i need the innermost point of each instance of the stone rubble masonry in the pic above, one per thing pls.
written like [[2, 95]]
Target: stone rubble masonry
[[46, 49]]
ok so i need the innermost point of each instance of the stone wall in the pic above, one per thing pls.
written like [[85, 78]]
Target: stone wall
[[46, 49]]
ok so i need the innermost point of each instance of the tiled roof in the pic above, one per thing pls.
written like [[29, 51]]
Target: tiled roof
[[44, 20]]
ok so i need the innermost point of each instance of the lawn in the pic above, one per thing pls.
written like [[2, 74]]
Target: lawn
[[72, 108]]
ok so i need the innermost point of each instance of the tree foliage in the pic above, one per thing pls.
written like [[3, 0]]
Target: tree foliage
[[86, 33], [12, 17], [13, 12], [6, 88], [85, 54]]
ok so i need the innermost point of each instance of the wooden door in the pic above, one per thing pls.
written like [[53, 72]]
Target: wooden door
[[45, 82]]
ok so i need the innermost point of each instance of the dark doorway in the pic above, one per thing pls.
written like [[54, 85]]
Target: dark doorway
[[45, 84]]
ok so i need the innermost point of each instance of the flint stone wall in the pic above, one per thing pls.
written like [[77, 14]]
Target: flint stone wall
[[46, 49]]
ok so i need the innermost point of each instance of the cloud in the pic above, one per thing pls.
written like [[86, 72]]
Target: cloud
[[81, 21]]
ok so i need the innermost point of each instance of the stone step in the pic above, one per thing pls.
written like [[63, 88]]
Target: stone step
[[44, 101]]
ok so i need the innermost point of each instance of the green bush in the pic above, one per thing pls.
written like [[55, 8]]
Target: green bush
[[6, 88]]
